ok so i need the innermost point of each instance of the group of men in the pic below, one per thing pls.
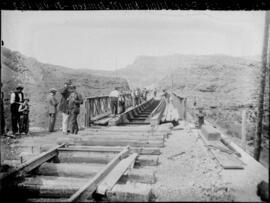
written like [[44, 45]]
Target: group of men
[[118, 99], [69, 106], [139, 96]]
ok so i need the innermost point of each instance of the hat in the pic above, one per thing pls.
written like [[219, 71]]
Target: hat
[[52, 90], [19, 87]]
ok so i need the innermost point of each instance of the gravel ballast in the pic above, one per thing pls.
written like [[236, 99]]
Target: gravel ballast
[[188, 172]]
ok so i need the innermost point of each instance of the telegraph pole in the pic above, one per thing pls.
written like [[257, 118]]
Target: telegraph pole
[[258, 138]]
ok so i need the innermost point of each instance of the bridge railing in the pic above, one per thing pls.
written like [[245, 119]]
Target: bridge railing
[[157, 113], [99, 107]]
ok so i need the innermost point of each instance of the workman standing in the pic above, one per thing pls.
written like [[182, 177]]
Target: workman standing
[[114, 95], [52, 107]]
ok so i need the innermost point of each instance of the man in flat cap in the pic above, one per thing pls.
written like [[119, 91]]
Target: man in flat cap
[[63, 106], [16, 99], [52, 108]]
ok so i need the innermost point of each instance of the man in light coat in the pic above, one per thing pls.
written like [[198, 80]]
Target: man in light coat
[[52, 108], [63, 106]]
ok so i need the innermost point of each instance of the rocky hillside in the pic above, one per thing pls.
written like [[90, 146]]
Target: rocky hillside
[[223, 85], [38, 78], [148, 71], [216, 80], [219, 83]]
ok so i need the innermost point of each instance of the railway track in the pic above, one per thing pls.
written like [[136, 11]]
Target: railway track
[[75, 173], [115, 163], [142, 116], [138, 115]]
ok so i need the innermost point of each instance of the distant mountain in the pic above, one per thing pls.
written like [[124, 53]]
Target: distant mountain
[[38, 78]]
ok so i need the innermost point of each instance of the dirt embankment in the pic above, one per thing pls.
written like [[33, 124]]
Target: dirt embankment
[[38, 78]]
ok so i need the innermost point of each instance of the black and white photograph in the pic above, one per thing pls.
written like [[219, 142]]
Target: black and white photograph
[[134, 106]]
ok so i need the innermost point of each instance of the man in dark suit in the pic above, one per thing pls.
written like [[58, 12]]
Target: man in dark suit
[[16, 99], [75, 100]]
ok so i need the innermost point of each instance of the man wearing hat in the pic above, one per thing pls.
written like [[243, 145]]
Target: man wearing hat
[[16, 99], [74, 102], [63, 106], [52, 108]]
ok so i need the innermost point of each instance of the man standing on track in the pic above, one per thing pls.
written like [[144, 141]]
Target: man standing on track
[[155, 92], [122, 102], [24, 117], [114, 100], [74, 102], [16, 99], [63, 106], [137, 96], [52, 104]]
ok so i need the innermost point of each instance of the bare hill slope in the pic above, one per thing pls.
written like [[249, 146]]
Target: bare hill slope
[[223, 85], [38, 78]]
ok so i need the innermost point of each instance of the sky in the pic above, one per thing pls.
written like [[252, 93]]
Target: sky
[[109, 40]]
